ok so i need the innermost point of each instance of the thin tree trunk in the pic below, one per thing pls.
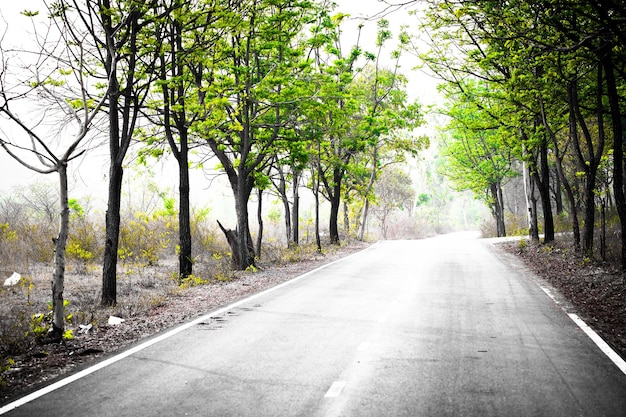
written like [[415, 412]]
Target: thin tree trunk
[[112, 233], [571, 200], [531, 204], [618, 148], [558, 195], [282, 190], [185, 260], [366, 208], [590, 213], [498, 209], [295, 213], [316, 192], [543, 182], [346, 218], [335, 202], [259, 238], [242, 194], [60, 243], [603, 229]]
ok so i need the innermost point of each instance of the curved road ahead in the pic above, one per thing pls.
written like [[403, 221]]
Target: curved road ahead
[[437, 327]]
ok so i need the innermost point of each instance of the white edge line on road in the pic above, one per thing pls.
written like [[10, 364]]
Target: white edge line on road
[[335, 389], [604, 347], [595, 337], [65, 381]]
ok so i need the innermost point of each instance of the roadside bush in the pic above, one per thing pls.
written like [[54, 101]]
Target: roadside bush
[[143, 240], [85, 241]]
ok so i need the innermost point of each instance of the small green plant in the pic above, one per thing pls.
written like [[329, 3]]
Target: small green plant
[[522, 245], [5, 365], [221, 269], [193, 281], [41, 323], [28, 284], [6, 233], [80, 256]]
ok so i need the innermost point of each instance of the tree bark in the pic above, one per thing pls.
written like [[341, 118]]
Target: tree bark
[[60, 242], [498, 209], [543, 183], [242, 195], [618, 148], [589, 164], [335, 202], [259, 237], [531, 202], [185, 260], [570, 198], [558, 195], [366, 208], [295, 212], [112, 233], [316, 193], [282, 191]]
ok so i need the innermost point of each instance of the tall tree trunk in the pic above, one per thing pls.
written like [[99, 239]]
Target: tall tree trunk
[[590, 212], [543, 183], [112, 233], [316, 192], [366, 208], [282, 191], [185, 260], [498, 209], [603, 228], [558, 195], [242, 195], [571, 200], [295, 213], [259, 214], [590, 162], [335, 202], [60, 243], [531, 201], [346, 218], [618, 148]]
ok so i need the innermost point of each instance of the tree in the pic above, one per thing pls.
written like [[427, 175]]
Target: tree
[[123, 49], [247, 93], [187, 36], [58, 81], [477, 153], [394, 191], [387, 130], [552, 59], [333, 113]]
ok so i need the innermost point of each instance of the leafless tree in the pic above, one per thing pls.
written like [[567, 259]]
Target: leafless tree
[[50, 113]]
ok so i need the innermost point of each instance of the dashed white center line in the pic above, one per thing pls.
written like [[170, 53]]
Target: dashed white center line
[[382, 319], [363, 347], [335, 389]]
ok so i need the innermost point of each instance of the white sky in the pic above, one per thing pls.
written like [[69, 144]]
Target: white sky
[[90, 177]]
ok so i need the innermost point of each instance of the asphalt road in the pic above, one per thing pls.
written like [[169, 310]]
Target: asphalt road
[[438, 327]]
